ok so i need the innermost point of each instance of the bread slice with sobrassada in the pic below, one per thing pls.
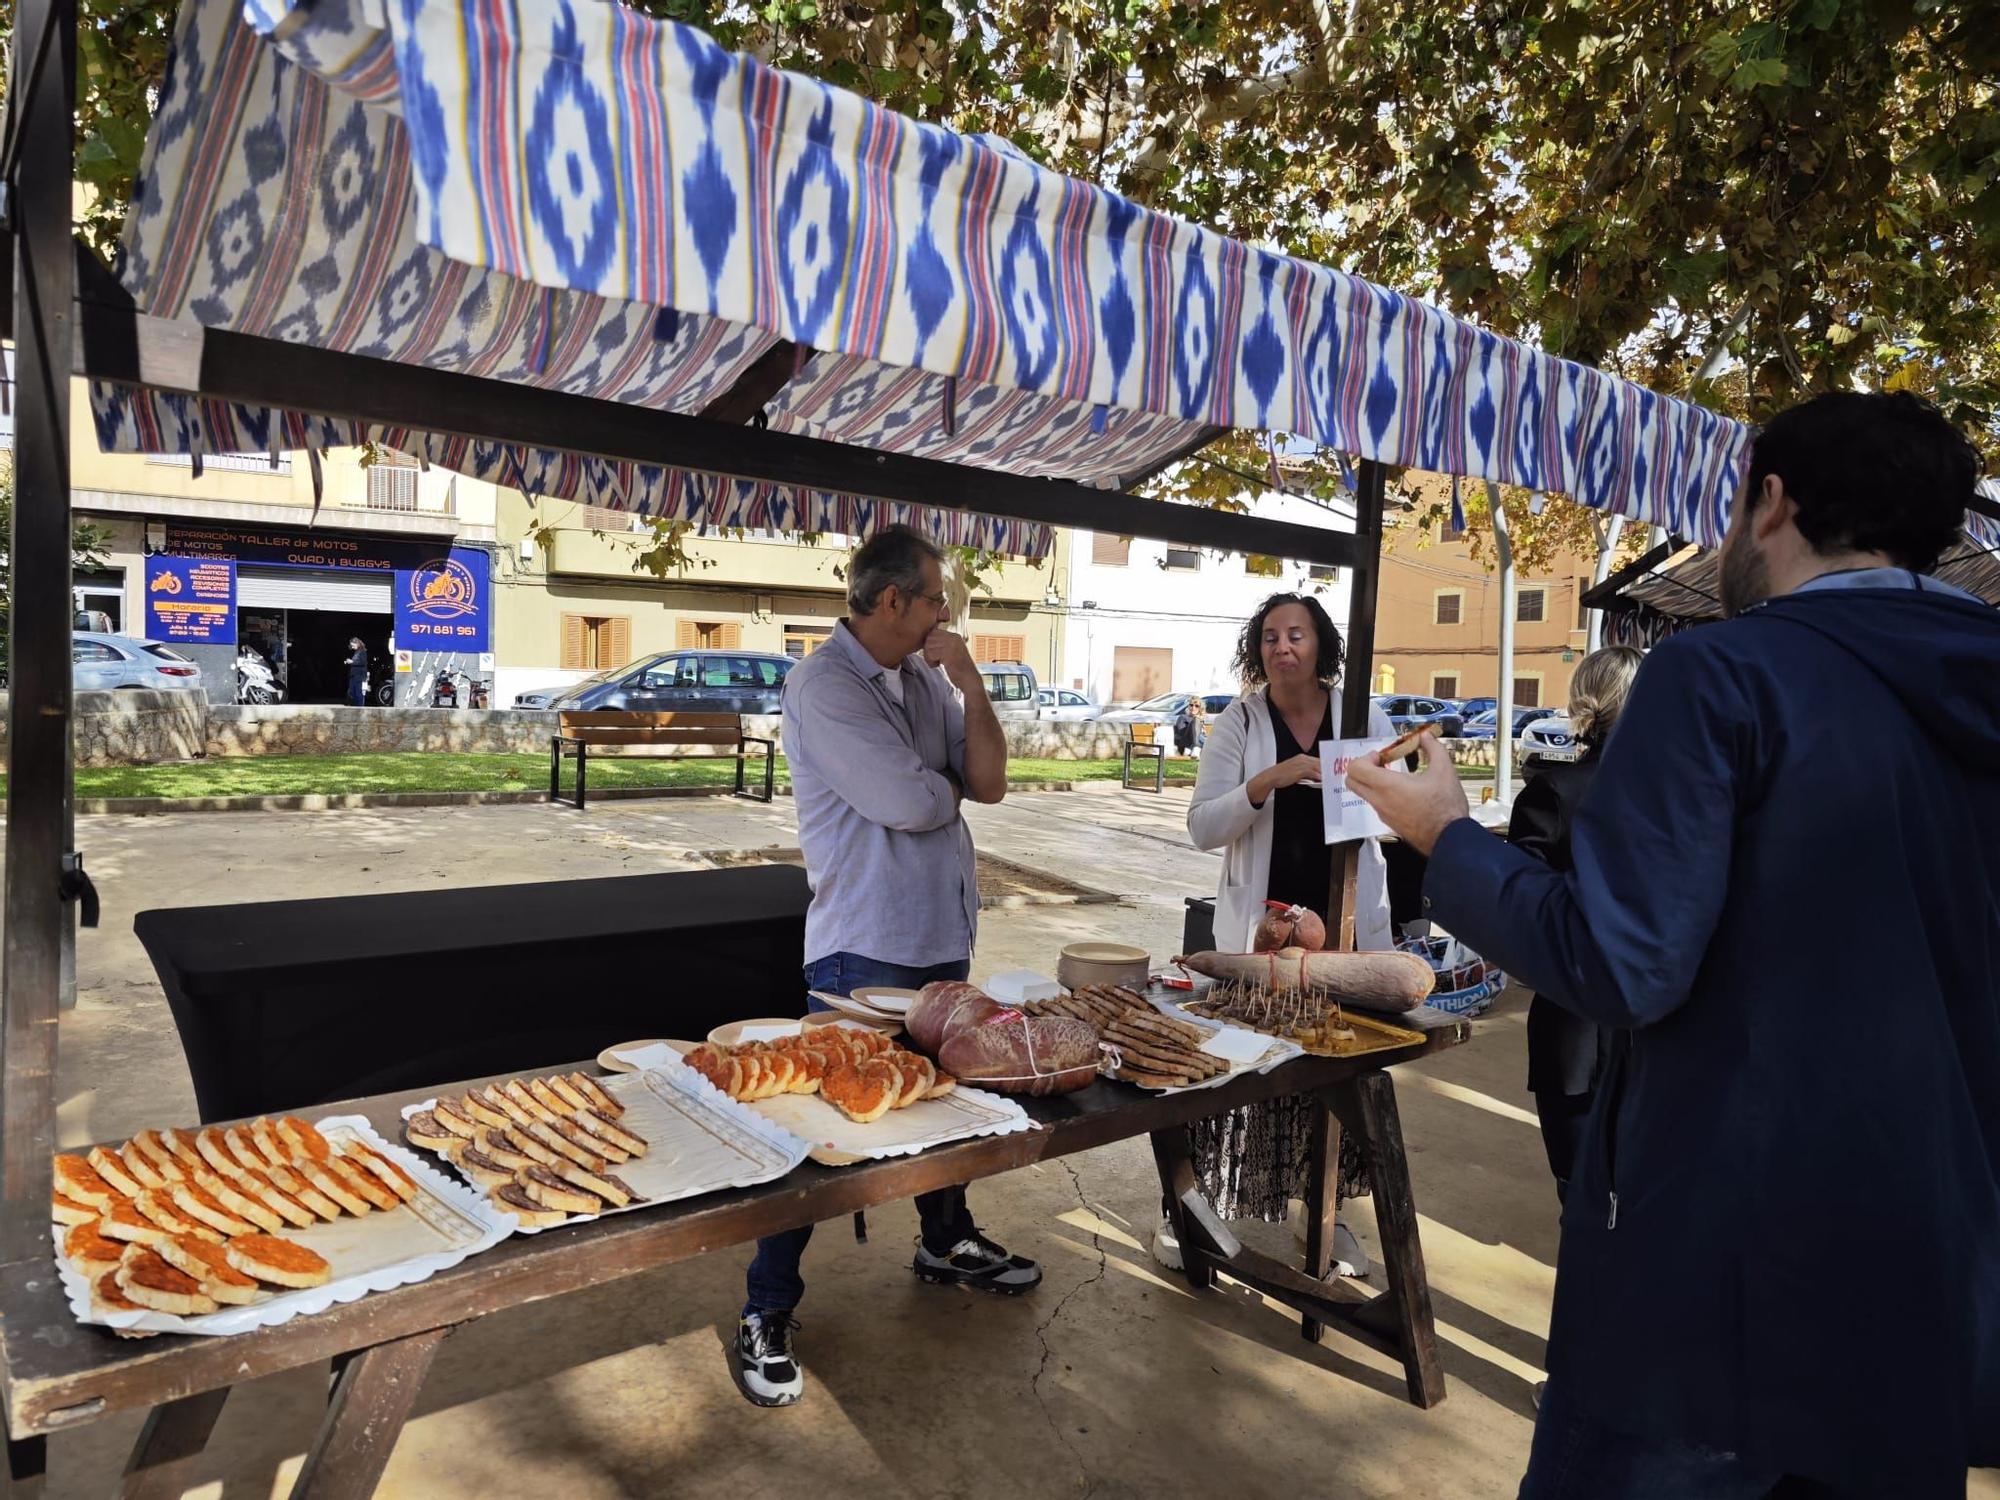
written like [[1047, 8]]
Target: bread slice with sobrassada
[[518, 1091], [280, 1261], [68, 1212], [483, 1169], [79, 1181], [612, 1190], [385, 1171], [288, 1206], [148, 1280], [358, 1179], [546, 1096], [215, 1151], [548, 1189], [158, 1149], [326, 1179], [238, 1199], [160, 1207], [90, 1253], [423, 1129], [573, 1098], [111, 1167], [209, 1265], [487, 1110]]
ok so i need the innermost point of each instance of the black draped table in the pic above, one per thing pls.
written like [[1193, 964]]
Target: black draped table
[[282, 1004]]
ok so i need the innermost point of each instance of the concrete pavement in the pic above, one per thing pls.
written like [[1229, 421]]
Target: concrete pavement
[[1111, 1381]]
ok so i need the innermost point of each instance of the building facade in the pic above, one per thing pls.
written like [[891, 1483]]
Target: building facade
[[247, 549], [573, 597], [1143, 618], [1437, 622]]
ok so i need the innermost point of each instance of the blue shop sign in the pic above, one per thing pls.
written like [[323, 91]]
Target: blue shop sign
[[446, 604], [191, 601]]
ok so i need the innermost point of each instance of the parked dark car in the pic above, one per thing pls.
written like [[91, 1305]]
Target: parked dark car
[[1471, 708], [1406, 712], [722, 682], [1480, 726]]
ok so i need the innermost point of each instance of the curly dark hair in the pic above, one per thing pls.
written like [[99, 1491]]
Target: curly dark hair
[[1871, 472], [1250, 648]]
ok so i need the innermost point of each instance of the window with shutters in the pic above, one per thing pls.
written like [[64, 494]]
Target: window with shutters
[[1528, 692], [709, 635], [990, 648], [595, 643], [1444, 684], [1110, 551], [1450, 606], [1184, 559], [1531, 606], [802, 640], [1323, 573], [1582, 609], [392, 482]]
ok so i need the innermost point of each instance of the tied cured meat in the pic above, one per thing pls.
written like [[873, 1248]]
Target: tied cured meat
[[1384, 980], [1286, 927], [943, 1007], [1018, 1054]]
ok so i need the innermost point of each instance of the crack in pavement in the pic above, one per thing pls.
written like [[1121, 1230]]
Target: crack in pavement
[[1041, 1336]]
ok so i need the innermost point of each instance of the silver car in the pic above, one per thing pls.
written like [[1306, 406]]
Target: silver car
[[99, 660], [1551, 738], [1062, 705]]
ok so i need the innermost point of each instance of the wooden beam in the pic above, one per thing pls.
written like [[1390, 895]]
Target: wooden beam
[[374, 1393], [129, 348], [37, 921], [767, 375]]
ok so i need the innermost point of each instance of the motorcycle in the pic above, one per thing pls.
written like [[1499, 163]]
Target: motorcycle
[[255, 681], [444, 691]]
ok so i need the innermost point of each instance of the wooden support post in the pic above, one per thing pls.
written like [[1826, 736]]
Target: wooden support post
[[1177, 1181], [1356, 680], [37, 930], [374, 1393], [1407, 1304], [174, 1433], [1322, 1202]]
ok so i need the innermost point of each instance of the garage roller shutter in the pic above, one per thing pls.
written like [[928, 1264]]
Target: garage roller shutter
[[310, 588]]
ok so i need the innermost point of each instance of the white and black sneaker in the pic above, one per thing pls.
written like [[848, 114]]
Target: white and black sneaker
[[977, 1262], [766, 1368]]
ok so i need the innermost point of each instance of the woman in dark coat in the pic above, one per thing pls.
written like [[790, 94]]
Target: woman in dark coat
[[357, 672], [1567, 1054]]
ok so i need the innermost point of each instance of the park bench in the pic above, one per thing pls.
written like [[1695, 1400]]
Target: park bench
[[708, 736], [1145, 741]]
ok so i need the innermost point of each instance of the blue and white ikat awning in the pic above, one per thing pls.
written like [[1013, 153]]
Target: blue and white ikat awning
[[567, 194]]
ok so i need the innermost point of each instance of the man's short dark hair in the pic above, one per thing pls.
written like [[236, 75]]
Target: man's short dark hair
[[1871, 472], [894, 555]]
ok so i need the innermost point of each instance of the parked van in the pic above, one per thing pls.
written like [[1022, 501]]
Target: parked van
[[1012, 688]]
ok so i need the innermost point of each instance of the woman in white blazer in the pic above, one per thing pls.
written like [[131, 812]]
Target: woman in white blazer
[[1257, 799]]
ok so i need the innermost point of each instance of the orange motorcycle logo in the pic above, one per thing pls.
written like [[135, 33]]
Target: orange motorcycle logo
[[166, 583], [443, 590]]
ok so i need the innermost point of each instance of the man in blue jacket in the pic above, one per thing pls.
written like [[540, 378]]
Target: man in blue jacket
[[1787, 891]]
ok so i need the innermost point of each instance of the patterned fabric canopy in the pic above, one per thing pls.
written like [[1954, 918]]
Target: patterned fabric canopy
[[567, 194]]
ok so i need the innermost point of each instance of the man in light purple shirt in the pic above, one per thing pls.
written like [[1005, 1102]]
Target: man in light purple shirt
[[887, 729]]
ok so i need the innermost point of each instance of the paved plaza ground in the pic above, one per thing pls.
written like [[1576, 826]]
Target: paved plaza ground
[[1113, 1380]]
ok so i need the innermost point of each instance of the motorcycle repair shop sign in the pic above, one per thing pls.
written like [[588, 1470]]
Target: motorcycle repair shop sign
[[446, 603], [191, 601]]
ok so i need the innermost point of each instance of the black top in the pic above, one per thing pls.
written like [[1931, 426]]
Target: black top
[[1566, 1054], [1301, 858]]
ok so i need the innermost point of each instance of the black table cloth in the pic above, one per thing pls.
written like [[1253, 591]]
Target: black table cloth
[[285, 1004]]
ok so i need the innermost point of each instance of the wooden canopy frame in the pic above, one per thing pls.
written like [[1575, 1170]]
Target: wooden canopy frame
[[67, 318]]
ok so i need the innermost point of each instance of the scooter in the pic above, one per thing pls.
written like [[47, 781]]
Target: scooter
[[444, 691], [255, 681]]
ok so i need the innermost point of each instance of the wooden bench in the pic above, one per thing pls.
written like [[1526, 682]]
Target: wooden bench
[[577, 732], [1145, 741]]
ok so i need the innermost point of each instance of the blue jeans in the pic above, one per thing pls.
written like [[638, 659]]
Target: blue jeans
[[774, 1283], [1576, 1457]]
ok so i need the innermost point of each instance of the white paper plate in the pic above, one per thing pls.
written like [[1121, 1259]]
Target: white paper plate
[[848, 1006], [734, 1032], [698, 1140], [885, 998], [447, 1222]]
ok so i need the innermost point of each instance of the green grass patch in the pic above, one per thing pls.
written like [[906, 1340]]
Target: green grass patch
[[327, 775]]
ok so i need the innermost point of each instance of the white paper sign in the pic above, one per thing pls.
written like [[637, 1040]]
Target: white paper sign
[[767, 1033], [1347, 816], [1234, 1044]]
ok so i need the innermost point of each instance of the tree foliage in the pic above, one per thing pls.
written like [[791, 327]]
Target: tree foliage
[[1739, 202], [87, 544]]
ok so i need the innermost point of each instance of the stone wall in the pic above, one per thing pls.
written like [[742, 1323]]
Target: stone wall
[[131, 728], [326, 729], [139, 728]]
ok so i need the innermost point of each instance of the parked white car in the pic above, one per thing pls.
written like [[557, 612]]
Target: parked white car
[[101, 661], [1551, 738], [1065, 706]]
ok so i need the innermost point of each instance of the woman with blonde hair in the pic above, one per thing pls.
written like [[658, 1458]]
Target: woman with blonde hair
[[1567, 1054]]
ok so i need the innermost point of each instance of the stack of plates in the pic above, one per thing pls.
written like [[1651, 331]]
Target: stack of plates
[[881, 1006]]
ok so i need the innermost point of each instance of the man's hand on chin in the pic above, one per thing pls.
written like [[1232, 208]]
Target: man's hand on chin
[[1418, 805]]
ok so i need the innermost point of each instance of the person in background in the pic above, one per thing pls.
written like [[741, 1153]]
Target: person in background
[[887, 728], [1786, 890], [1567, 1054], [1198, 731], [1184, 725], [1258, 799], [357, 672]]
